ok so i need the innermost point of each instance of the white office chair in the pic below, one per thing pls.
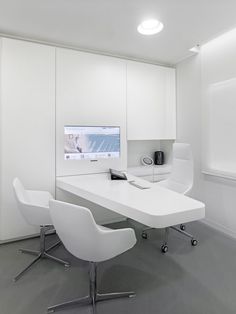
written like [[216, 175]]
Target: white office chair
[[88, 241], [181, 181], [34, 206]]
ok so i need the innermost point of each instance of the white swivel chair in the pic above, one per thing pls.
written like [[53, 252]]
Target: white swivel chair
[[181, 181], [34, 206], [88, 241]]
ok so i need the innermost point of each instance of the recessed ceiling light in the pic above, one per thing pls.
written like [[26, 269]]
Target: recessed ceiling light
[[150, 27]]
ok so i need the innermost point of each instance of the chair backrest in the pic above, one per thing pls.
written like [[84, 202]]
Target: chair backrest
[[20, 192], [34, 212], [181, 177], [85, 239]]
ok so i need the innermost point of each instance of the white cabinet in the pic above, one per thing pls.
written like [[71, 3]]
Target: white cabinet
[[91, 91], [27, 135], [151, 102]]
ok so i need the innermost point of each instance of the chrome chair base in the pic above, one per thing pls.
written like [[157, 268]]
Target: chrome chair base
[[42, 253], [93, 296]]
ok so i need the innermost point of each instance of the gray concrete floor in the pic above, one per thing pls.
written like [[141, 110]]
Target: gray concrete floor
[[186, 280]]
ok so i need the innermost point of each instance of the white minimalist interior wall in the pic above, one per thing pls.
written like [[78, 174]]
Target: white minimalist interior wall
[[1, 150], [219, 109], [27, 127], [219, 194], [189, 113], [44, 88], [166, 147], [137, 149]]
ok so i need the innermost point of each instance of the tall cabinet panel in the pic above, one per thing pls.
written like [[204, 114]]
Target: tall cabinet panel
[[27, 126], [91, 91], [151, 102]]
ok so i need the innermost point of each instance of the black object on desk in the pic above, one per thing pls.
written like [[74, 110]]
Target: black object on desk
[[159, 158], [117, 175]]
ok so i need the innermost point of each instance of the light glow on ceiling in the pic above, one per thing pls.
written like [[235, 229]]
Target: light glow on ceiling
[[150, 27], [221, 40]]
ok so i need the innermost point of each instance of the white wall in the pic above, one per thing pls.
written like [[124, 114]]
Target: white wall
[[27, 127], [189, 113], [137, 149], [166, 147], [218, 194], [219, 109], [91, 89], [1, 150]]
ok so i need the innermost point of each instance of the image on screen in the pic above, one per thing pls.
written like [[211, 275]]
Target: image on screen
[[91, 142]]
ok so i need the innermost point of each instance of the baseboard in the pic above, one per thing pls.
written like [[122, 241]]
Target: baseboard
[[113, 220], [228, 232], [36, 235]]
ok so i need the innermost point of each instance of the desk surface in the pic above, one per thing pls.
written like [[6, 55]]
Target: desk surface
[[155, 207]]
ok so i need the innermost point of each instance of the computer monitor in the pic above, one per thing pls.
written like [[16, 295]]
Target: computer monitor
[[91, 142]]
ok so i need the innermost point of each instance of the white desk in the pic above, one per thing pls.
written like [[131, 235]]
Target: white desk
[[155, 207]]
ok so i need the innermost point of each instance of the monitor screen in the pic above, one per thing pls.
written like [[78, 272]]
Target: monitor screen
[[91, 142]]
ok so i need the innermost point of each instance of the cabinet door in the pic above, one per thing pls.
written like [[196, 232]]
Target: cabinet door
[[151, 104], [90, 92], [27, 127]]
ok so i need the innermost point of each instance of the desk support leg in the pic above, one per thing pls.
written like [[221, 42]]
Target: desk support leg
[[166, 237], [164, 247], [194, 242], [144, 232]]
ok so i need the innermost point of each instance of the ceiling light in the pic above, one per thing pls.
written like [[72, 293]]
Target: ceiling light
[[150, 27], [195, 49]]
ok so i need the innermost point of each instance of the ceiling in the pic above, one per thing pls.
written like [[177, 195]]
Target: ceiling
[[110, 26]]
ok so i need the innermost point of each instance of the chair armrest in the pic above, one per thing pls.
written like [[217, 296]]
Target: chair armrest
[[116, 241], [39, 198]]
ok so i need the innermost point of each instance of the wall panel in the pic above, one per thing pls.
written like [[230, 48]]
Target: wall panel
[[27, 126]]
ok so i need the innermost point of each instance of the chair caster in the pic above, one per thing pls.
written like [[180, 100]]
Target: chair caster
[[182, 227], [144, 235], [164, 248], [194, 242]]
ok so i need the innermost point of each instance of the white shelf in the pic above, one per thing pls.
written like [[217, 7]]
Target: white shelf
[[141, 171]]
